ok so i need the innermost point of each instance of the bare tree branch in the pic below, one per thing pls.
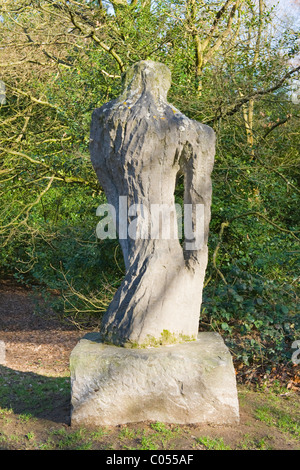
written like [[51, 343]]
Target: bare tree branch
[[245, 99]]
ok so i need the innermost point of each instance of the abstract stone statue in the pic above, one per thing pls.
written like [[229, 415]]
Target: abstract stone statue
[[139, 145]]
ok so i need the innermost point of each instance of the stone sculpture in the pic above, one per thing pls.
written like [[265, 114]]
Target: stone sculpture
[[139, 145]]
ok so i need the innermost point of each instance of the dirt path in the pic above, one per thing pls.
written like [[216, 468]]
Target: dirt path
[[33, 341]]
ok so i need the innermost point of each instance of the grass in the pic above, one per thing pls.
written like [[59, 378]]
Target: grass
[[77, 440], [279, 411], [212, 444], [157, 436], [280, 419], [251, 443], [28, 393]]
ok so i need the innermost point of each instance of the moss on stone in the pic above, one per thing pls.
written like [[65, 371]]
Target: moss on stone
[[166, 338]]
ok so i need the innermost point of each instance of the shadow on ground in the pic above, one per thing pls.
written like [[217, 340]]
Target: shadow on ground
[[33, 395]]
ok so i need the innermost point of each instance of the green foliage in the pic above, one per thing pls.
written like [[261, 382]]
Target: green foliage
[[66, 258], [49, 190], [258, 317]]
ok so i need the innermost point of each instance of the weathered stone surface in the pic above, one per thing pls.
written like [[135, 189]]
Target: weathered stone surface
[[2, 353], [181, 383], [139, 144]]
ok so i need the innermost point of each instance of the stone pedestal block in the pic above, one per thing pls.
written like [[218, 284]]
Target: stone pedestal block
[[192, 382]]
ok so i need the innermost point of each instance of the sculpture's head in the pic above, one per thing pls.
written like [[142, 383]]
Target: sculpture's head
[[147, 76]]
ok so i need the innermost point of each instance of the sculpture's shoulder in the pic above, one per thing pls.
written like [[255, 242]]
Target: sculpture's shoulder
[[200, 129], [205, 130]]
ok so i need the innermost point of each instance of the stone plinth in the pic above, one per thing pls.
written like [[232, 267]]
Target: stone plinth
[[192, 382]]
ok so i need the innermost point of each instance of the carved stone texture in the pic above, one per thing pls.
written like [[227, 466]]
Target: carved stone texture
[[181, 383], [139, 144]]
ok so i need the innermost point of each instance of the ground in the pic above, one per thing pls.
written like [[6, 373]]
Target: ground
[[35, 396]]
